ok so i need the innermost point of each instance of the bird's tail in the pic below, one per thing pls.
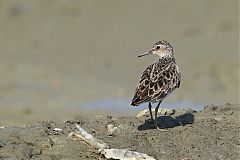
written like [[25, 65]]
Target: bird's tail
[[134, 103]]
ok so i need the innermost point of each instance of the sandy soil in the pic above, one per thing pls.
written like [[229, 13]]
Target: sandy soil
[[209, 134]]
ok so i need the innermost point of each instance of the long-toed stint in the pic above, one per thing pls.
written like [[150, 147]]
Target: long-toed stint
[[159, 79]]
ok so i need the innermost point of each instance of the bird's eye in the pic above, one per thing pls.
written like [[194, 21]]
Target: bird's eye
[[158, 47]]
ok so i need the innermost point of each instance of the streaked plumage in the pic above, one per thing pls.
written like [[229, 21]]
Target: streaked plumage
[[159, 79]]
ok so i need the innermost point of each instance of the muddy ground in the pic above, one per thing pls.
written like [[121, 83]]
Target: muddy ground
[[209, 134]]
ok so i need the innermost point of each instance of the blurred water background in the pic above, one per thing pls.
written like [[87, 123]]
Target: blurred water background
[[62, 59]]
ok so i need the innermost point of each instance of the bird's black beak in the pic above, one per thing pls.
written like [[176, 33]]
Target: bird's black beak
[[144, 54]]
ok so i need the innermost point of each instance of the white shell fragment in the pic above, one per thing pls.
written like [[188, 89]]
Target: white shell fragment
[[88, 138], [104, 149], [124, 154], [111, 129], [161, 111]]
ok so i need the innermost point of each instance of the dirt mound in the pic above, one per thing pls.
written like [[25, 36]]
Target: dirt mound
[[210, 134]]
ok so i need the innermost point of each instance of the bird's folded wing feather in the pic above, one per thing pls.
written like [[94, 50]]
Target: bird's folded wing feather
[[155, 84]]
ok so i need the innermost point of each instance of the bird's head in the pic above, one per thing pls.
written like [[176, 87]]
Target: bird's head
[[161, 48]]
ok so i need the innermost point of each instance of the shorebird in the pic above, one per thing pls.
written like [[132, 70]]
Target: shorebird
[[159, 79]]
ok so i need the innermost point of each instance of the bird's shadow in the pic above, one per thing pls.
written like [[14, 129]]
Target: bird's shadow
[[165, 122]]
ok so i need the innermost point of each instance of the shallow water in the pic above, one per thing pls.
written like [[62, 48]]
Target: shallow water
[[123, 105]]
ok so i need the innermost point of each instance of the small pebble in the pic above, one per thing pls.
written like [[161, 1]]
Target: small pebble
[[57, 129]]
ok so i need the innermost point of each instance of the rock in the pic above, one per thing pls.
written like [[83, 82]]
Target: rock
[[161, 111]]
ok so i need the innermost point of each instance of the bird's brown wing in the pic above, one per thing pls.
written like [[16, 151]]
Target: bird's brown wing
[[155, 84], [141, 92]]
